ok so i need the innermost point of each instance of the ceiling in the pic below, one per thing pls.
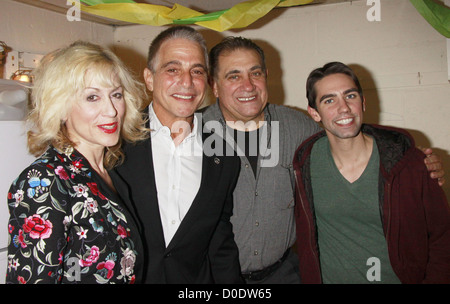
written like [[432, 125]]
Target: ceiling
[[204, 6]]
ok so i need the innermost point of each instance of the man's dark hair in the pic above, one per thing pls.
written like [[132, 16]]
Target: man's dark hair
[[328, 69], [230, 44]]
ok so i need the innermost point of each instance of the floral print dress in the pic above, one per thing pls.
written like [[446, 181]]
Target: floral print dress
[[67, 226]]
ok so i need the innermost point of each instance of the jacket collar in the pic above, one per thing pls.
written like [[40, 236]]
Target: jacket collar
[[393, 143]]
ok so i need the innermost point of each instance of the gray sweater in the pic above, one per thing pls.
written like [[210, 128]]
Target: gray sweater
[[263, 214]]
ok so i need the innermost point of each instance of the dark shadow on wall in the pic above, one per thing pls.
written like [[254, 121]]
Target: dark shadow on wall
[[135, 62], [422, 141]]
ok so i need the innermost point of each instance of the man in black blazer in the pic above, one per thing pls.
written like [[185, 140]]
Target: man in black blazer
[[198, 245]]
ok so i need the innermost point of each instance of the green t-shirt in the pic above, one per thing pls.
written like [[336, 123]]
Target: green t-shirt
[[352, 245]]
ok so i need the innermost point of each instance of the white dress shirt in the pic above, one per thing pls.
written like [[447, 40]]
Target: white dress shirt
[[178, 172]]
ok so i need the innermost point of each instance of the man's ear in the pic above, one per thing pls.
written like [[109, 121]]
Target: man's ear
[[214, 87], [314, 114], [364, 104], [148, 78]]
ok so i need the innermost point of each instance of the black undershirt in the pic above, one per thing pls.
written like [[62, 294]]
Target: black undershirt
[[251, 154]]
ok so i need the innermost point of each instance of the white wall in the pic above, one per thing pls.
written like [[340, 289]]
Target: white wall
[[401, 61], [30, 29]]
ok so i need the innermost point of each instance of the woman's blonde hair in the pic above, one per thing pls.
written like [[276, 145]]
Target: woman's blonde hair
[[58, 82]]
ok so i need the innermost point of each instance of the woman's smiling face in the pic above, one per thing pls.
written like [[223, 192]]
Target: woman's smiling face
[[95, 119]]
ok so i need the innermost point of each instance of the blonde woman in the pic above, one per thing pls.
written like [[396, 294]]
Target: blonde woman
[[68, 222]]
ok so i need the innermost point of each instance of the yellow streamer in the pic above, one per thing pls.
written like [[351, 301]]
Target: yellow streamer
[[239, 16], [141, 13], [288, 3]]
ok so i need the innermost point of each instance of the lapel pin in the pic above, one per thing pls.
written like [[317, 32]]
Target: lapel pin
[[216, 160]]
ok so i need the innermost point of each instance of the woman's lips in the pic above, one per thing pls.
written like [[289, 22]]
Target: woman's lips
[[109, 128]]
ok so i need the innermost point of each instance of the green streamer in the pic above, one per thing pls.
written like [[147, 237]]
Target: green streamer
[[206, 17], [437, 15]]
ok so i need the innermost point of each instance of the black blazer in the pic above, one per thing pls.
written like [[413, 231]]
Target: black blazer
[[203, 249]]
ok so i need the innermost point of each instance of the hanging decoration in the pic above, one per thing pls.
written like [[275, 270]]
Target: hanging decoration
[[438, 15], [239, 16]]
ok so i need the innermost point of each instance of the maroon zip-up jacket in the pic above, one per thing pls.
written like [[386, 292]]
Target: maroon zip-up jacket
[[413, 208]]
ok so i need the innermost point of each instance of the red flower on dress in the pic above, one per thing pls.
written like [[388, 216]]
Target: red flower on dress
[[20, 239], [94, 189], [77, 164], [21, 280], [109, 265], [122, 231], [61, 173], [37, 227], [92, 258]]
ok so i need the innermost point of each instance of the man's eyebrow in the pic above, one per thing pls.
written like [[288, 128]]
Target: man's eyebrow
[[326, 96], [236, 71], [256, 67], [199, 65], [351, 90], [232, 72], [177, 62]]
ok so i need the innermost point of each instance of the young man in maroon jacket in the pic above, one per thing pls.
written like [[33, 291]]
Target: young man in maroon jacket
[[367, 209]]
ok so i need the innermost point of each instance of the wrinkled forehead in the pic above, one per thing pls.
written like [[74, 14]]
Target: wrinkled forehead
[[240, 57], [180, 50]]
